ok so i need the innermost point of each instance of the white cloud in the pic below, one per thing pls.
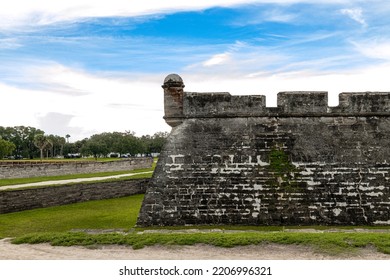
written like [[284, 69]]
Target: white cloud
[[278, 16], [22, 13], [374, 48], [42, 12], [240, 59], [91, 112], [56, 123], [355, 14], [217, 59], [261, 15], [9, 43], [358, 80]]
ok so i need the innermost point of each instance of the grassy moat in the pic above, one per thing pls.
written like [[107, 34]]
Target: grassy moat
[[112, 221]]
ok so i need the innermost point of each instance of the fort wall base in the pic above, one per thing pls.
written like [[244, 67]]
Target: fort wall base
[[231, 160]]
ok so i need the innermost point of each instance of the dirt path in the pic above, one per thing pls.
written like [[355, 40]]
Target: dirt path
[[9, 251]]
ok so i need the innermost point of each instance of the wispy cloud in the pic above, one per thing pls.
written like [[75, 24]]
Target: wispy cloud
[[351, 80], [256, 15], [217, 59], [286, 54], [238, 59], [377, 48], [280, 16], [19, 13], [355, 14], [9, 43], [22, 14]]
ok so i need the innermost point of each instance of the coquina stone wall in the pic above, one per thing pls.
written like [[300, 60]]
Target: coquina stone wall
[[232, 160], [26, 199], [21, 169]]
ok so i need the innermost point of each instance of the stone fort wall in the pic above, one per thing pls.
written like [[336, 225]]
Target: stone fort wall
[[17, 169], [232, 160], [25, 199]]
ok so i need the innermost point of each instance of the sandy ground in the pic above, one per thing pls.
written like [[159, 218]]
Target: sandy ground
[[9, 251]]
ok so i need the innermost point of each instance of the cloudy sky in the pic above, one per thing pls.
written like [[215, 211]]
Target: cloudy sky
[[82, 67]]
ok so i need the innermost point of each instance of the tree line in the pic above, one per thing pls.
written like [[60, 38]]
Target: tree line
[[28, 142]]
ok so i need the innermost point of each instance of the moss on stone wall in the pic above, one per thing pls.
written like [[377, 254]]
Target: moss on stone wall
[[286, 175]]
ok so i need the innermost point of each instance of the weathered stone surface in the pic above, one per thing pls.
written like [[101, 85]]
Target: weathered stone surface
[[26, 199], [37, 169], [231, 160], [173, 99]]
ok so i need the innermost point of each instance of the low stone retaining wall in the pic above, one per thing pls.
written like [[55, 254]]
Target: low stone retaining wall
[[22, 169], [26, 199]]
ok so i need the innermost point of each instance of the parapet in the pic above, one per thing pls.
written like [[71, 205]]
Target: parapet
[[222, 104], [364, 102], [303, 102], [180, 105]]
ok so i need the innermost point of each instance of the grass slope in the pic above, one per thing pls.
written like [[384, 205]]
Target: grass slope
[[104, 214]]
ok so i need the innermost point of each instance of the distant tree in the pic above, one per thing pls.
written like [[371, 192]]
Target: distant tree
[[41, 142], [61, 142], [29, 133], [23, 138], [27, 141], [49, 147], [95, 146], [56, 145], [155, 143], [158, 142], [132, 145], [6, 148]]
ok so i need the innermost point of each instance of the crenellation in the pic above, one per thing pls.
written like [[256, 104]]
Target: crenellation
[[223, 104], [182, 105], [298, 102], [364, 102]]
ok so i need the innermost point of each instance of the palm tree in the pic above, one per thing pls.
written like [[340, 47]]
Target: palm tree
[[61, 142], [41, 141]]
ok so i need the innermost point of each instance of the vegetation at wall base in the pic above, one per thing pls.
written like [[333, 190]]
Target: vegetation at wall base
[[329, 243]]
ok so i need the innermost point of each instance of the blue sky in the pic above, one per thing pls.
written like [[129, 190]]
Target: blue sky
[[84, 67]]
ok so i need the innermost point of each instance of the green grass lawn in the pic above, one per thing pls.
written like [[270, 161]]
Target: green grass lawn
[[118, 213]]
